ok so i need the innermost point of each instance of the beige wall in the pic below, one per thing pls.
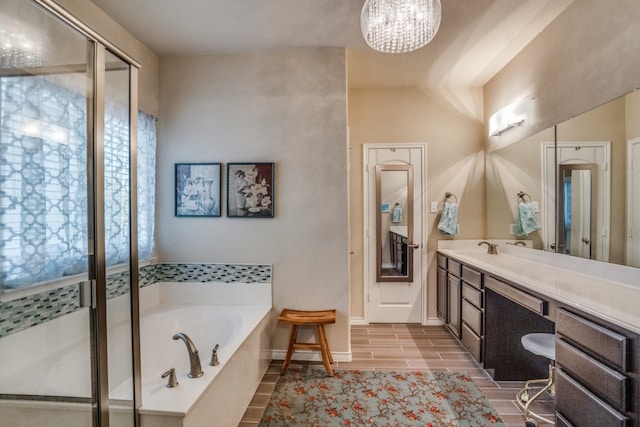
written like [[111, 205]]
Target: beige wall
[[588, 56], [100, 22], [287, 107], [455, 163]]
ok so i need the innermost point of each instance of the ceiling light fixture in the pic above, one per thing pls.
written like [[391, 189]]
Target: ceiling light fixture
[[20, 44], [398, 26]]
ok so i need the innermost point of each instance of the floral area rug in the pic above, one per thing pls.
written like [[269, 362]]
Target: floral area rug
[[308, 397]]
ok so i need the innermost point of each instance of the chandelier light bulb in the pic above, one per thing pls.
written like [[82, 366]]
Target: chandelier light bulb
[[398, 26]]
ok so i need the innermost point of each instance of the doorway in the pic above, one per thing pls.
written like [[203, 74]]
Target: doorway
[[568, 156], [395, 233]]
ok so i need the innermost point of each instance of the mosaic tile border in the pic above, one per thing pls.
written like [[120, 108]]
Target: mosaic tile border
[[26, 312]]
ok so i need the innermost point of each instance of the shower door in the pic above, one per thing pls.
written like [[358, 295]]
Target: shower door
[[68, 282]]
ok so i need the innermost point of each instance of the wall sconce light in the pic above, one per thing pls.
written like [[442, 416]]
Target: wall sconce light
[[509, 117]]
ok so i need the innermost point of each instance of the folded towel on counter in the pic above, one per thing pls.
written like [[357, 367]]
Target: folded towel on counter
[[526, 222], [449, 219]]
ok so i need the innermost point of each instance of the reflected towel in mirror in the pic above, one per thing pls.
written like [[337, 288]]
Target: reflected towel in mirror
[[526, 222], [396, 214], [449, 219]]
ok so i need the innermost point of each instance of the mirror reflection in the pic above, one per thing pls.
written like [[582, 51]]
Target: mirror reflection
[[394, 218], [576, 215], [585, 165]]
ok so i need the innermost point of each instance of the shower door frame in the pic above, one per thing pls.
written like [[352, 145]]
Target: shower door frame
[[97, 264]]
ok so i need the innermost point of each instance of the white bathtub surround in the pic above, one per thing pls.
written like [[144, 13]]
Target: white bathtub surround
[[606, 290], [234, 315]]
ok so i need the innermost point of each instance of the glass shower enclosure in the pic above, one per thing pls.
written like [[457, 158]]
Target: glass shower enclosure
[[69, 328]]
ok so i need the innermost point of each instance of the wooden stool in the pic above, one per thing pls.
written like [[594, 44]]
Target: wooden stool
[[308, 318]]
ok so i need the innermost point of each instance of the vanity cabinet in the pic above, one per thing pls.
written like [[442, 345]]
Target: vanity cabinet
[[399, 251], [454, 283], [596, 375], [461, 302], [597, 361], [442, 288], [472, 312]]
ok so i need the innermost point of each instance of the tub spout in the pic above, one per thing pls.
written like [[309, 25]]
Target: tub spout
[[492, 248], [195, 370]]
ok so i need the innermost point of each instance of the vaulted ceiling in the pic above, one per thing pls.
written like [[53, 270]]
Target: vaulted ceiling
[[476, 37]]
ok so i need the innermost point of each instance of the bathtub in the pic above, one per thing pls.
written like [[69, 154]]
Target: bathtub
[[235, 316]]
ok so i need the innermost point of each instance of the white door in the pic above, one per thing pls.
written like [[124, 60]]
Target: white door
[[633, 200], [581, 152], [397, 301]]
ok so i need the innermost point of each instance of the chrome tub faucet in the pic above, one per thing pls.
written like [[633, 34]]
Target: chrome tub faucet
[[195, 370], [492, 248]]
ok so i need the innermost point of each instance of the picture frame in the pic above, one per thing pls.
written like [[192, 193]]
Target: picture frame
[[198, 188], [250, 189]]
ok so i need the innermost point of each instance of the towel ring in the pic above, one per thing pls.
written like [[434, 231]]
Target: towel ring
[[522, 195], [448, 195]]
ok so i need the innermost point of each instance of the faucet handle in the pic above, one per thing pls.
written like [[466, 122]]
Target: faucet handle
[[173, 381], [214, 356]]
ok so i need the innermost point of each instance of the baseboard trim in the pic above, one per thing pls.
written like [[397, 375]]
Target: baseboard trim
[[358, 321], [434, 321]]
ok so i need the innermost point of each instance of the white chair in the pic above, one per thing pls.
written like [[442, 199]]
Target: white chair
[[544, 345]]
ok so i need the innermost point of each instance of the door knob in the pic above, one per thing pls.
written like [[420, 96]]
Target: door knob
[[414, 246]]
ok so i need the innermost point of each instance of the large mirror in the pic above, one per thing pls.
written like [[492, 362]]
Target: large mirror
[[394, 223], [580, 175]]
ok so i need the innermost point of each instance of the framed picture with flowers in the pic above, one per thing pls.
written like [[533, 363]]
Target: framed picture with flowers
[[250, 190], [198, 189]]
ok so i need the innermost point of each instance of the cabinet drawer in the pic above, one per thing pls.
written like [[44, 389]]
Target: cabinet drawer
[[472, 316], [455, 267], [472, 276], [603, 342], [472, 342], [609, 383], [472, 295], [442, 261], [529, 301], [582, 408]]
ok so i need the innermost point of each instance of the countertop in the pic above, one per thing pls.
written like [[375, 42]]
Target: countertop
[[608, 298]]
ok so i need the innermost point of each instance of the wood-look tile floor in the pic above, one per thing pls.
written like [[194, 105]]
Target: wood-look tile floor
[[401, 347]]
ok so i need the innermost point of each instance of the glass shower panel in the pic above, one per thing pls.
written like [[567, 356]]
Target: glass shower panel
[[117, 199], [45, 92]]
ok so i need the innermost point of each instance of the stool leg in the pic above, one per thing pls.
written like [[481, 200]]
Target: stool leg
[[323, 337], [292, 341], [326, 357]]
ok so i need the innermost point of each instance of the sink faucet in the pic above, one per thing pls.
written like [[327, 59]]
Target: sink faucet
[[195, 370], [492, 248]]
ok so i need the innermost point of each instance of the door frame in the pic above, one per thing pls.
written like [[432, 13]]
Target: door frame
[[369, 233], [603, 224], [631, 164]]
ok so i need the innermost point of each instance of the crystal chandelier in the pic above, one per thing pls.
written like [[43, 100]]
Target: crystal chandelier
[[20, 45], [397, 26]]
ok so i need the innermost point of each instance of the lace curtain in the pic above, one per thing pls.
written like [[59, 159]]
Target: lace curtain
[[43, 182]]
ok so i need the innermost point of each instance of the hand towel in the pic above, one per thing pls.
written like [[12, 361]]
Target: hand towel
[[449, 219], [526, 222], [396, 214]]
